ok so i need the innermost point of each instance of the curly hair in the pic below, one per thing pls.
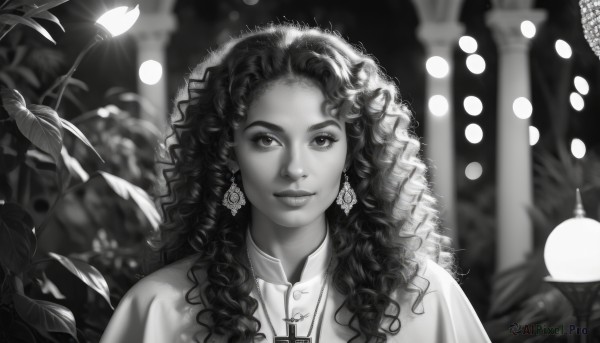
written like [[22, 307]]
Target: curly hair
[[379, 246]]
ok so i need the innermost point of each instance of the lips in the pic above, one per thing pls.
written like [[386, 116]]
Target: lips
[[294, 193], [294, 198]]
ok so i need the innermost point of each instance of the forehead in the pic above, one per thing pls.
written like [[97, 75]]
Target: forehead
[[289, 102]]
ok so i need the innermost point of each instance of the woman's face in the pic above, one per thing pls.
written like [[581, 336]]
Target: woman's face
[[290, 153]]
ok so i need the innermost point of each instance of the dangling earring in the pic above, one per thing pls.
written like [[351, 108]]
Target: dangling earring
[[234, 199], [346, 197]]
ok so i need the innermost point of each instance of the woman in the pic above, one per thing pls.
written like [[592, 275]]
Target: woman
[[297, 207]]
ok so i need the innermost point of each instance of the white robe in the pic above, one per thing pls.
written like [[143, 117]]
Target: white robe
[[155, 310]]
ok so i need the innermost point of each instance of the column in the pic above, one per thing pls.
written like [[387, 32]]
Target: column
[[439, 39], [151, 35], [514, 172]]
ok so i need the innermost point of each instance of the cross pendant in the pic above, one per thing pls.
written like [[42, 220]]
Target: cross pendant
[[291, 336]]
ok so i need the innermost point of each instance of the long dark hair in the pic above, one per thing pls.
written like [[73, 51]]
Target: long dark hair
[[379, 246]]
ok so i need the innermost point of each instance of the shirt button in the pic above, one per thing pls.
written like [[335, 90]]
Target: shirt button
[[297, 295]]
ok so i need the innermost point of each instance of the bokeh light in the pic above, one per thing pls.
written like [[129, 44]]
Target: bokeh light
[[467, 44], [577, 148], [150, 72], [576, 101], [437, 67], [474, 133], [438, 105], [563, 49], [522, 108], [528, 29], [581, 85], [534, 135], [473, 171], [475, 64], [473, 105]]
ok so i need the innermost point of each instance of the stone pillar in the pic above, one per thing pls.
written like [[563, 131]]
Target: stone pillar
[[151, 34], [439, 39], [513, 159]]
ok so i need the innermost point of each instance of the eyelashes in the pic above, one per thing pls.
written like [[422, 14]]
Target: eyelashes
[[328, 139], [321, 141]]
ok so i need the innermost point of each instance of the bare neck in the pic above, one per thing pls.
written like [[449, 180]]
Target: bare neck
[[291, 245]]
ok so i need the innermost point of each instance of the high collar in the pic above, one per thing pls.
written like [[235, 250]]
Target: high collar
[[271, 270]]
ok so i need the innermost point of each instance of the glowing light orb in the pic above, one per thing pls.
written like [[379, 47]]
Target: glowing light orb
[[578, 148], [576, 101], [438, 105], [581, 85], [474, 133], [571, 252], [563, 49], [534, 135], [522, 108], [473, 105], [528, 29], [467, 44], [150, 72], [475, 64], [473, 171], [437, 67]]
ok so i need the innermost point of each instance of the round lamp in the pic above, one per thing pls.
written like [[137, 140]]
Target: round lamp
[[572, 251]]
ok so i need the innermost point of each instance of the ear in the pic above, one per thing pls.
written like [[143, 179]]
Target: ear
[[348, 162]]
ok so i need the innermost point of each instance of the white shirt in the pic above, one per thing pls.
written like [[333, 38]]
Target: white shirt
[[155, 309]]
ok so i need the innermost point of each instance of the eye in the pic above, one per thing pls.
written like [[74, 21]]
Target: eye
[[324, 141], [264, 141]]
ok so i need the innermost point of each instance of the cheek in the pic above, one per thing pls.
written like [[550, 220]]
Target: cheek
[[257, 169]]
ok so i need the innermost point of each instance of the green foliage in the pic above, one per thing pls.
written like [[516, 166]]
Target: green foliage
[[74, 208]]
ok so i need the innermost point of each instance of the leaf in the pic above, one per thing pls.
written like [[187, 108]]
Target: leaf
[[12, 19], [18, 3], [20, 52], [50, 17], [77, 133], [17, 241], [45, 7], [48, 287], [7, 80], [77, 83], [45, 316], [40, 160], [40, 124], [29, 76], [73, 166], [127, 191], [86, 273]]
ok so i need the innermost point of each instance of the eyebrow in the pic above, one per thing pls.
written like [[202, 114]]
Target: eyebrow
[[278, 128]]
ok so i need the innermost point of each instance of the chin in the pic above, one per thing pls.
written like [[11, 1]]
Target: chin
[[294, 220]]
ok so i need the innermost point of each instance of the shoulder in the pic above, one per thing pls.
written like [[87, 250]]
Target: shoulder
[[439, 278], [168, 281], [156, 309], [437, 284], [436, 300]]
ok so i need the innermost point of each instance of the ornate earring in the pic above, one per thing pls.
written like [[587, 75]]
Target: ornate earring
[[346, 197], [234, 199]]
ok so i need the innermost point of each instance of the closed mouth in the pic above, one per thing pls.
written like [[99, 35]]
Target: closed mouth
[[294, 193]]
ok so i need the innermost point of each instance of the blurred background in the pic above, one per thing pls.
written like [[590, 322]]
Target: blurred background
[[505, 96]]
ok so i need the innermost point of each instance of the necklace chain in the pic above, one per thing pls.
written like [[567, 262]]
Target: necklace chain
[[262, 302]]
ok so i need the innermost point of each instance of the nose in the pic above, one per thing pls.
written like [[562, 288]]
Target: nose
[[293, 166]]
